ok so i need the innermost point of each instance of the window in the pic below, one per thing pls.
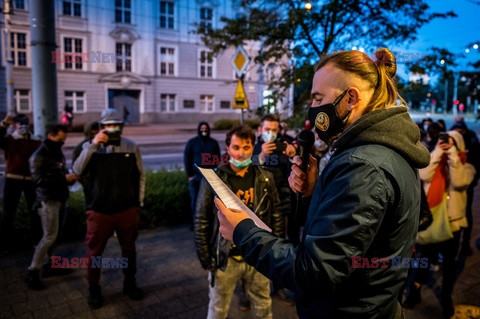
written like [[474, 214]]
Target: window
[[19, 4], [73, 53], [206, 65], [22, 100], [206, 103], [72, 8], [224, 104], [166, 15], [167, 102], [124, 57], [123, 11], [75, 100], [206, 15], [167, 61], [18, 47], [188, 104]]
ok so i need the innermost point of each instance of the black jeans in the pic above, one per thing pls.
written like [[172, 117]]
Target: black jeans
[[194, 187], [467, 232], [11, 197], [449, 250]]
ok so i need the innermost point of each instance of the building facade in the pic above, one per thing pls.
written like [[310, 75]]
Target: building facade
[[141, 57]]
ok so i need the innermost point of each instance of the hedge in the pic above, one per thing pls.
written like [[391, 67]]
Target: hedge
[[167, 203]]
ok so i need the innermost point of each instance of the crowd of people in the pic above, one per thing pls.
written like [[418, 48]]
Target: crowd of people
[[373, 178], [112, 199]]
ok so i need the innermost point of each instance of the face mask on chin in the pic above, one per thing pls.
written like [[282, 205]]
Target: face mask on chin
[[204, 134], [326, 121], [240, 163], [269, 136]]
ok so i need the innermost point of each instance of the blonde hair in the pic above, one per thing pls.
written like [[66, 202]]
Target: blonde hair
[[378, 73]]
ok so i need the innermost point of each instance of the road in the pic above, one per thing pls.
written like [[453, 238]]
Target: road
[[162, 146]]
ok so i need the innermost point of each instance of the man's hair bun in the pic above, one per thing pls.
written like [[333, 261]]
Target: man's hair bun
[[386, 59]]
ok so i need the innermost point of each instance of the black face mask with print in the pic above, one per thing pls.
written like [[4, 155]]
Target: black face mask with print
[[326, 121]]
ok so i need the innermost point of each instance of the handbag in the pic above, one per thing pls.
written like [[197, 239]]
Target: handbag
[[440, 229]]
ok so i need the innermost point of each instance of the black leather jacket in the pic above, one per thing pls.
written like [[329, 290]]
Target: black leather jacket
[[212, 248], [48, 172]]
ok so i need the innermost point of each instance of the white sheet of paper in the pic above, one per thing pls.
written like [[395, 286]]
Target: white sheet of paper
[[229, 199]]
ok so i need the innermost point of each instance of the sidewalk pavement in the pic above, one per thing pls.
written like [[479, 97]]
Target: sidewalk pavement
[[174, 283]]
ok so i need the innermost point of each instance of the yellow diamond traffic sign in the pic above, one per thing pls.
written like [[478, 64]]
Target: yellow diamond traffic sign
[[240, 61], [240, 100]]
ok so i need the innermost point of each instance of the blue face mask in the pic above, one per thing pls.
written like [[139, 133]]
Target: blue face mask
[[242, 163], [269, 136]]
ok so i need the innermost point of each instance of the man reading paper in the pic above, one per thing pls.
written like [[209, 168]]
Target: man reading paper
[[256, 188]]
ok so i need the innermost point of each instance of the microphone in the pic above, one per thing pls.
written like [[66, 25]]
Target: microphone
[[305, 141]]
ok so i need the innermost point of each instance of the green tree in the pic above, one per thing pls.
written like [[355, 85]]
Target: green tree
[[293, 37]]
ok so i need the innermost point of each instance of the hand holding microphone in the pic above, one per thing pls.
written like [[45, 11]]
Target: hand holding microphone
[[304, 173]]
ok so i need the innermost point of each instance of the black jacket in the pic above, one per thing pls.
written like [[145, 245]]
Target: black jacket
[[195, 148], [280, 167], [366, 203], [211, 246], [48, 172]]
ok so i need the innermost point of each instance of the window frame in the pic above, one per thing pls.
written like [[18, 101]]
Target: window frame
[[74, 99], [123, 11], [15, 50], [205, 64], [18, 98], [122, 59], [205, 100], [167, 61], [206, 21], [168, 98], [169, 17], [65, 52], [71, 8]]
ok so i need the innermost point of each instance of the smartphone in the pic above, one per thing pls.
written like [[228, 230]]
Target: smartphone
[[280, 146], [444, 137]]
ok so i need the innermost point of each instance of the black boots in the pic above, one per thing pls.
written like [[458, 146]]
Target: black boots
[[33, 280], [95, 299], [130, 288]]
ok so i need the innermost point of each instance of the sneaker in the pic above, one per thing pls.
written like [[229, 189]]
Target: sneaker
[[284, 296], [412, 297], [466, 251], [95, 298], [447, 308], [130, 288], [33, 280]]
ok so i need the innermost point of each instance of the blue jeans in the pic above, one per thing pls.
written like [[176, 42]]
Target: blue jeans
[[49, 214]]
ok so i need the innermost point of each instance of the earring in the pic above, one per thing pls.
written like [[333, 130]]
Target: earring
[[349, 107]]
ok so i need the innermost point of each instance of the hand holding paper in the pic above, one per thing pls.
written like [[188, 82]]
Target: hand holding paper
[[228, 198], [228, 218]]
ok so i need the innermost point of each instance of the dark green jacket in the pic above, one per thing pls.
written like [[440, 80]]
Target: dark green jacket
[[211, 246], [366, 203]]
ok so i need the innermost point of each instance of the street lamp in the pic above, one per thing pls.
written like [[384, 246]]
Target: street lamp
[[308, 5]]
